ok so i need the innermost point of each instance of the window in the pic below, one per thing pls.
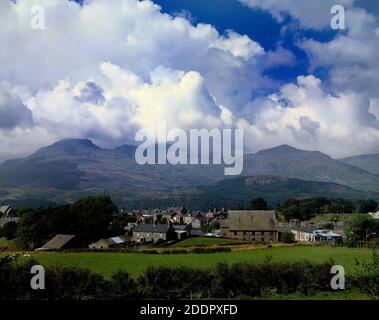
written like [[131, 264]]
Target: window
[[262, 233], [235, 233]]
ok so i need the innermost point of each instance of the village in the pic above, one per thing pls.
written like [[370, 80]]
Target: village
[[158, 226]]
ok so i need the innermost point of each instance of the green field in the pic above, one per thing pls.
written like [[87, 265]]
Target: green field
[[136, 263], [7, 245], [204, 241]]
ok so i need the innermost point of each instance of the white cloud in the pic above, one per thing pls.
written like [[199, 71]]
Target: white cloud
[[306, 116], [147, 56], [112, 66], [351, 57], [239, 46], [309, 13]]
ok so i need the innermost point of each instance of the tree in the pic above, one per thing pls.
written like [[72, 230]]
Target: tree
[[258, 204], [88, 219], [288, 237], [360, 228], [32, 230], [366, 206], [8, 231], [290, 209], [92, 217]]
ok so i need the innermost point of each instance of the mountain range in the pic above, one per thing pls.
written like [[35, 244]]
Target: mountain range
[[72, 168]]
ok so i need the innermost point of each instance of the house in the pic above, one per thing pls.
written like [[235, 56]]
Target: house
[[250, 225], [182, 230], [303, 233], [198, 221], [108, 243], [59, 242], [129, 228], [5, 211], [187, 219], [153, 233]]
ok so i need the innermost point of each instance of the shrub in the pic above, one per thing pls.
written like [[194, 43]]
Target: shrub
[[368, 277]]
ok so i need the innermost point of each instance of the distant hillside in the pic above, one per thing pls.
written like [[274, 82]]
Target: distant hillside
[[73, 168], [274, 189], [286, 161], [369, 162]]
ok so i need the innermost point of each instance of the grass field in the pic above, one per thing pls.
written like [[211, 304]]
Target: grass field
[[7, 245], [136, 263], [204, 241]]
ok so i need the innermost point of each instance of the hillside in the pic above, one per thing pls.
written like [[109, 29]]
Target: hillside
[[274, 189], [286, 161], [369, 162]]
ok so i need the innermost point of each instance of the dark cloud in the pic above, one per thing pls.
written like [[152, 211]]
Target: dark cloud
[[91, 93], [13, 112]]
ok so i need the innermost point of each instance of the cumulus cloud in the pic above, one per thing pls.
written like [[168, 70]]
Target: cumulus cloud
[[239, 46], [145, 56], [106, 69], [309, 13], [306, 116], [13, 112], [126, 103], [352, 56]]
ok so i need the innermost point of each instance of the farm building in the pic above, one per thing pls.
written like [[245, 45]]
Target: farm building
[[153, 233], [5, 211], [59, 242], [250, 225], [108, 243], [303, 233]]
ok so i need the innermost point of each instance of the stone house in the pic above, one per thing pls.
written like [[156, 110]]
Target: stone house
[[250, 225], [153, 233]]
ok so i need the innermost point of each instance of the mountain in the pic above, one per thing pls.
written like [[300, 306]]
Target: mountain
[[368, 162], [73, 168], [286, 161]]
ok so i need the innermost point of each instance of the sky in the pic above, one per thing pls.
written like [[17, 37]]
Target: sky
[[103, 69]]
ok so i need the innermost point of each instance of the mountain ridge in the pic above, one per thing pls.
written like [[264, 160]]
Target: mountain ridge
[[75, 167]]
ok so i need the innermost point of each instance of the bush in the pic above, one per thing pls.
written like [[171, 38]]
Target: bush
[[8, 231], [368, 278], [288, 237]]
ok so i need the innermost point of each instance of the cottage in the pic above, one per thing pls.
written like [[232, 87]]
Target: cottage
[[250, 225], [5, 211], [153, 233], [182, 230], [108, 243], [303, 233], [59, 242], [187, 219], [198, 221]]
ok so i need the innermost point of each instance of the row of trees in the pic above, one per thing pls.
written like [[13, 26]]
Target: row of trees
[[223, 281], [304, 209]]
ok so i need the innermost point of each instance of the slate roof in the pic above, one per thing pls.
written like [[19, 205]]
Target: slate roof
[[58, 242], [158, 228], [117, 240], [5, 210], [252, 220]]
